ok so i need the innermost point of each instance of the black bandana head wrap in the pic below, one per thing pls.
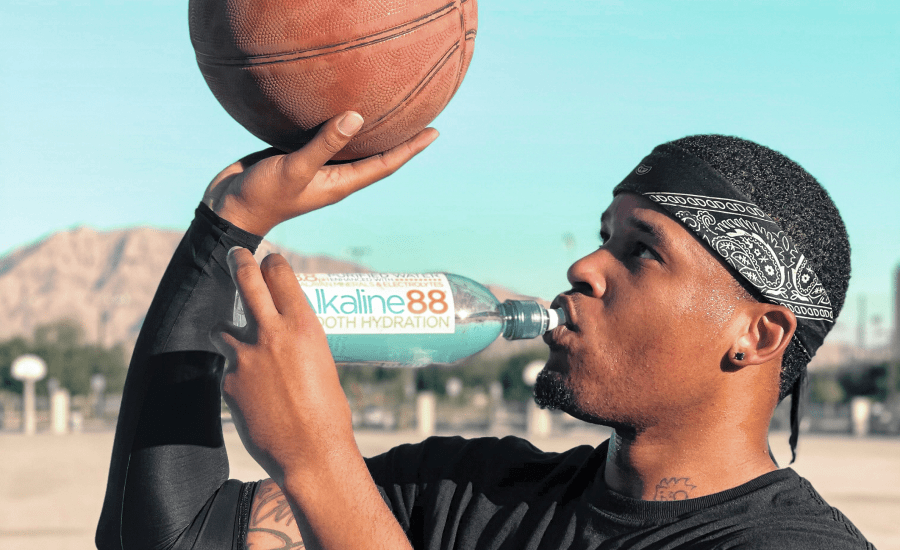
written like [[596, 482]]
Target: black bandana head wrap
[[743, 235], [750, 241]]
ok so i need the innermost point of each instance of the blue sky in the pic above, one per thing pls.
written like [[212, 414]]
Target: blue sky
[[105, 121]]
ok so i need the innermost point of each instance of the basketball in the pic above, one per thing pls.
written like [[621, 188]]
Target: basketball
[[283, 67]]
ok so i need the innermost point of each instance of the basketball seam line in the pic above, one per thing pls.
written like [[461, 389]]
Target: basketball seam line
[[462, 62], [419, 87], [268, 59]]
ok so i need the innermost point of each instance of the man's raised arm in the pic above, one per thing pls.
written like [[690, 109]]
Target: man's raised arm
[[167, 484]]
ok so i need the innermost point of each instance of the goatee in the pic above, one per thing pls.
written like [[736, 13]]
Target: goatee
[[551, 392]]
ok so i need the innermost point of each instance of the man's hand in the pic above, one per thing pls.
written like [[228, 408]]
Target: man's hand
[[281, 383], [282, 387], [266, 188]]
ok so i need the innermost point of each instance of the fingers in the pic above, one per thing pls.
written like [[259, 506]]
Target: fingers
[[283, 286], [355, 176], [331, 138], [250, 284], [398, 156], [224, 339], [345, 179]]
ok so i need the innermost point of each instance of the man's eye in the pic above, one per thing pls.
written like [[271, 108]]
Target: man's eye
[[643, 251], [604, 236]]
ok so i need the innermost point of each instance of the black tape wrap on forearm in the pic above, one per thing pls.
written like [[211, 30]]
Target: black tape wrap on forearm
[[167, 483]]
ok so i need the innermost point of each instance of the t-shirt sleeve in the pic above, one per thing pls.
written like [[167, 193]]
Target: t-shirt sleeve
[[402, 473], [799, 538], [820, 528]]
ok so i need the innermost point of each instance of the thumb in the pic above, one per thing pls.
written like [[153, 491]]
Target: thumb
[[253, 158], [331, 138], [225, 338]]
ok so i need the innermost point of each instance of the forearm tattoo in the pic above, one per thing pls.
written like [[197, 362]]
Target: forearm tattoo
[[674, 488], [272, 525]]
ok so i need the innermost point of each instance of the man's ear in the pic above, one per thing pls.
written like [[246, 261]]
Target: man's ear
[[767, 335]]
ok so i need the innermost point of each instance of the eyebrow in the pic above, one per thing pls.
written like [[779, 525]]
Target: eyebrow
[[653, 231], [642, 226]]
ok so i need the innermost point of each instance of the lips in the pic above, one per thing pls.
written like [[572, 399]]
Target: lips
[[555, 337], [551, 338], [565, 302]]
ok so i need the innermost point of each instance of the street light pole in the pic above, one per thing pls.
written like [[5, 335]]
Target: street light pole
[[29, 369]]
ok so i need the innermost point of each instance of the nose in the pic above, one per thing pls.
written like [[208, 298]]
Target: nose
[[587, 274]]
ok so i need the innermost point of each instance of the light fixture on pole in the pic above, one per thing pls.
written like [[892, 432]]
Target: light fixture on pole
[[28, 369]]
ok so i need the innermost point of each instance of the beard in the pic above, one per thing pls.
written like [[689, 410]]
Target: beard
[[551, 392]]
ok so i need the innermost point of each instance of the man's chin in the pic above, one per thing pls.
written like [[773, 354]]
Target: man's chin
[[557, 362], [551, 390]]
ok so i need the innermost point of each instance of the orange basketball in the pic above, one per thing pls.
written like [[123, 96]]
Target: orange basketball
[[283, 67]]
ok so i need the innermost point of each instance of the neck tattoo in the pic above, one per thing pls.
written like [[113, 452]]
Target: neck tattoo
[[674, 488]]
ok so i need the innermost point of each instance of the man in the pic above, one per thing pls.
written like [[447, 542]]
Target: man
[[722, 267]]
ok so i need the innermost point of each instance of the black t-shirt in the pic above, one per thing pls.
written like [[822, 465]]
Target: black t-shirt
[[493, 493], [168, 483]]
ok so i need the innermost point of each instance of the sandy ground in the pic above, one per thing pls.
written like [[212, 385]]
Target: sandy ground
[[51, 487]]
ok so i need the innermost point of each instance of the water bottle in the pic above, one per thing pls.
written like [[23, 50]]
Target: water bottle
[[414, 319]]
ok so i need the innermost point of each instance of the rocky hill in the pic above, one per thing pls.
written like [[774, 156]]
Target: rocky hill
[[104, 280]]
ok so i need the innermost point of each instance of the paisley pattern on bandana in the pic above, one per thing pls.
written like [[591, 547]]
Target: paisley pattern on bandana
[[737, 230], [755, 246]]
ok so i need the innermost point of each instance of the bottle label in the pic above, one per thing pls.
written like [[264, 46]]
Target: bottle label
[[376, 303]]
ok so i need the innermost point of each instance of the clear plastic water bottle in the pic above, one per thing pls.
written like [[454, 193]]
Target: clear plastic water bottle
[[414, 319]]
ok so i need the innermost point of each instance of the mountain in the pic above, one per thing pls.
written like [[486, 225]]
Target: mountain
[[105, 280]]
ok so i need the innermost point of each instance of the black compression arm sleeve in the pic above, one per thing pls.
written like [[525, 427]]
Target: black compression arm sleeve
[[167, 483]]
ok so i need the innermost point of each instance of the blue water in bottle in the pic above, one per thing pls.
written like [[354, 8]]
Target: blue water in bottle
[[478, 319]]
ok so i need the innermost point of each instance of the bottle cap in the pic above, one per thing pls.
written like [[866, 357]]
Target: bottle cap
[[557, 318], [528, 319]]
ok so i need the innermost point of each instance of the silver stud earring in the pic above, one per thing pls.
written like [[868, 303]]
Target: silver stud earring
[[739, 356]]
